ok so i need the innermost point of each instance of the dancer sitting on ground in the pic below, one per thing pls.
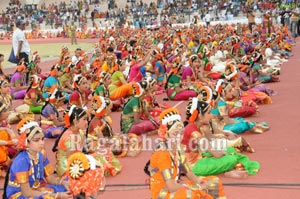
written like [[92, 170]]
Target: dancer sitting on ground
[[168, 164], [212, 158], [131, 121], [237, 125], [34, 96], [31, 174], [51, 119], [175, 91], [18, 84], [8, 141]]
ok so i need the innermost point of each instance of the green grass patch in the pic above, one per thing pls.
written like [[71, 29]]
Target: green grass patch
[[46, 51]]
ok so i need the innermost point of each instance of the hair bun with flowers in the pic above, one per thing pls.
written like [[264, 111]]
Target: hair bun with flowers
[[35, 55], [220, 86], [168, 116], [98, 105], [230, 70], [84, 173], [192, 109], [138, 89], [56, 95], [77, 80], [67, 115], [35, 81], [26, 129], [206, 94]]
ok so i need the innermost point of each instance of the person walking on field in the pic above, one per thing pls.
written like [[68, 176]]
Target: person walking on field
[[73, 29], [19, 42]]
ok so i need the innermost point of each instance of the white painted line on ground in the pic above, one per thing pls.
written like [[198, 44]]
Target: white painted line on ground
[[178, 104]]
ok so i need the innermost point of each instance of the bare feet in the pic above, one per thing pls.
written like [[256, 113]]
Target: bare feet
[[236, 174]]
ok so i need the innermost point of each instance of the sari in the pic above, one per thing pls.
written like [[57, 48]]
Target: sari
[[174, 81], [17, 78], [164, 166], [117, 89], [111, 164], [51, 131], [240, 126], [205, 164], [36, 94], [69, 142], [50, 84], [127, 119], [23, 170]]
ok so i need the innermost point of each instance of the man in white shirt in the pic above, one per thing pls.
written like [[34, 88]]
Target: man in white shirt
[[19, 42], [207, 19]]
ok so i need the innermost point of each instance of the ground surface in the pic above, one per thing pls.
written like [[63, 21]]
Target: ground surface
[[276, 150]]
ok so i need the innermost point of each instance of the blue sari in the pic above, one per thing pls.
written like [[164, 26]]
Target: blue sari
[[50, 84], [240, 126], [23, 170]]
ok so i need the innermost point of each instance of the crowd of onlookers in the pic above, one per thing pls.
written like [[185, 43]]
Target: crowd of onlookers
[[136, 12]]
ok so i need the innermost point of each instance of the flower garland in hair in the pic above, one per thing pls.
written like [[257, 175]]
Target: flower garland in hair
[[167, 116], [23, 126], [99, 104], [230, 71], [206, 94], [194, 109], [35, 55], [35, 81], [219, 86], [68, 115]]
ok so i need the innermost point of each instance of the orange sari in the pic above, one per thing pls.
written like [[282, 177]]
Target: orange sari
[[163, 169]]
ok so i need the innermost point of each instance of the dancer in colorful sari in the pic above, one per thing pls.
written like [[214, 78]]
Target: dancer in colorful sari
[[72, 139], [102, 90], [150, 105], [80, 96], [66, 79], [175, 91], [131, 121], [240, 107], [101, 123], [34, 97], [215, 157], [51, 121], [101, 126], [267, 27], [257, 71], [135, 74], [167, 163], [84, 182], [159, 68], [119, 88], [34, 68], [18, 84], [31, 174], [7, 141], [53, 82], [237, 125]]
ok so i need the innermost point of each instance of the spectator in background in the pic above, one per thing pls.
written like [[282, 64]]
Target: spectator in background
[[251, 18], [73, 29], [20, 44], [207, 19]]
